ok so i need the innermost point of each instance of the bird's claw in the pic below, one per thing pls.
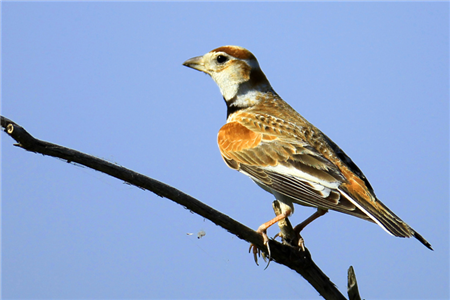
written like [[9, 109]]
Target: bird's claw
[[285, 241], [257, 252], [279, 234]]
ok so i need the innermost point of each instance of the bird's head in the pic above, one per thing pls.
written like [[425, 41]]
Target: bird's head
[[235, 70]]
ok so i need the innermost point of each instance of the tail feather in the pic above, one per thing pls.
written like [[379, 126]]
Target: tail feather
[[386, 219], [422, 240], [397, 226], [393, 220]]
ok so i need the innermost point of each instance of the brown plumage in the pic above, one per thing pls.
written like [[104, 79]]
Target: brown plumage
[[267, 140]]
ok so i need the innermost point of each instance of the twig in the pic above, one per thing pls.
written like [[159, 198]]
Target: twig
[[352, 286], [299, 261]]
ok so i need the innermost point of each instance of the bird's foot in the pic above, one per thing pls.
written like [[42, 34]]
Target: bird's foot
[[295, 240], [257, 252]]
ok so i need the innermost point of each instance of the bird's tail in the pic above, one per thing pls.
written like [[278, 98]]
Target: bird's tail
[[396, 226], [422, 239], [382, 215]]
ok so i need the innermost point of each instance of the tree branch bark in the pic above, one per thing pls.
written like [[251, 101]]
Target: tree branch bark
[[297, 260], [352, 285]]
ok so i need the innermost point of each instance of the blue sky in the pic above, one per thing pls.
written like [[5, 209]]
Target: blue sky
[[107, 79]]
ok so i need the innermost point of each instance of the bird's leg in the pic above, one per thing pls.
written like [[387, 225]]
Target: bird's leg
[[320, 212], [262, 230], [287, 234]]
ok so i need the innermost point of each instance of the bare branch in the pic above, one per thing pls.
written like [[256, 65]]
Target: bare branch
[[352, 286], [299, 261]]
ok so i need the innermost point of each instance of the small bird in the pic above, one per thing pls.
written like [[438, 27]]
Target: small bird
[[267, 140]]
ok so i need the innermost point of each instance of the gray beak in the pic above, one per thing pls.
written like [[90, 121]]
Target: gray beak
[[196, 63]]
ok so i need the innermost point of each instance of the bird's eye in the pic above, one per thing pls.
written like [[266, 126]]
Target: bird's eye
[[221, 59]]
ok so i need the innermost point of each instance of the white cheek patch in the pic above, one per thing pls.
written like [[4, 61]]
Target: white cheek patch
[[228, 88]]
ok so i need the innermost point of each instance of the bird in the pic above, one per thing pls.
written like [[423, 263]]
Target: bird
[[270, 142]]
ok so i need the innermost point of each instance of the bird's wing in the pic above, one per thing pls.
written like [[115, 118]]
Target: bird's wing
[[304, 165], [272, 156]]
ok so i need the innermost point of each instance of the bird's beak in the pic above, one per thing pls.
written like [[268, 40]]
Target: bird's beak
[[196, 63]]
